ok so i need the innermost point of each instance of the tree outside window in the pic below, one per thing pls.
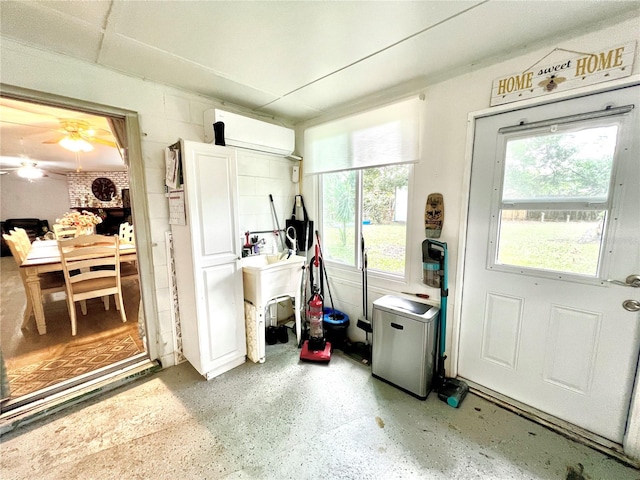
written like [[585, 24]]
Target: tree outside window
[[370, 201], [555, 199]]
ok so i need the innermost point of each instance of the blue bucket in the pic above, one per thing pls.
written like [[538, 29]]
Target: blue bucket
[[335, 325], [334, 317]]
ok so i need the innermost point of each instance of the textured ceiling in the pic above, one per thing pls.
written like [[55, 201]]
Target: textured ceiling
[[298, 60]]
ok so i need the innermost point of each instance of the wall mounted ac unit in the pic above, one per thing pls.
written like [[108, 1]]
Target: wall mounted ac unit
[[245, 132]]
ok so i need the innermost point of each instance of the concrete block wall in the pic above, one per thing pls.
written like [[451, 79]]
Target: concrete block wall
[[165, 115], [261, 175]]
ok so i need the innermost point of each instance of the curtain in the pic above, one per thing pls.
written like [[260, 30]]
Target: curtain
[[383, 136], [118, 127]]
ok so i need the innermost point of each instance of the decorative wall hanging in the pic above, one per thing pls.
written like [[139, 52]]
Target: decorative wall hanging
[[579, 70]]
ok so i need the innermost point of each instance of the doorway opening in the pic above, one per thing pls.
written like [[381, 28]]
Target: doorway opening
[[43, 361]]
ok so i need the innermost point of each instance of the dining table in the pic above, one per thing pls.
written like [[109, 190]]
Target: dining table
[[44, 257]]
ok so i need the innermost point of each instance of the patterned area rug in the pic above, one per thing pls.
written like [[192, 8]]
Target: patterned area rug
[[44, 374]]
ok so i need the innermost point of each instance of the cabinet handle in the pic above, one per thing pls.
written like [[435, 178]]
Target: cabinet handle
[[397, 326]]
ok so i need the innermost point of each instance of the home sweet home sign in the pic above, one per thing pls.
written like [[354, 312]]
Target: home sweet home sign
[[578, 70]]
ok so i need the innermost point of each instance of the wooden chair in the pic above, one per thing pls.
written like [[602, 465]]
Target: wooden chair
[[23, 239], [128, 270], [95, 260], [126, 233], [49, 282], [64, 231]]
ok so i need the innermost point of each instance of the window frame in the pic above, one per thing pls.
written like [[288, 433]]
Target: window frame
[[358, 218]]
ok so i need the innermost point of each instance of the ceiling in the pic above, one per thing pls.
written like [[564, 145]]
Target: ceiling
[[30, 132], [298, 60]]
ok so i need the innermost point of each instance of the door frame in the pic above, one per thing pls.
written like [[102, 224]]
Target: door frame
[[631, 441], [137, 185]]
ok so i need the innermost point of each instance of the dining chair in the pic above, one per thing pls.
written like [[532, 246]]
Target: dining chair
[[91, 267], [125, 233], [17, 243], [64, 231], [128, 270], [49, 282], [23, 239]]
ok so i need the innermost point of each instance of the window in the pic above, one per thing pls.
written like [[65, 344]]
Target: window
[[364, 165], [555, 198], [370, 202]]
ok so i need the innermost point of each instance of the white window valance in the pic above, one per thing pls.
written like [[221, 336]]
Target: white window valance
[[384, 136]]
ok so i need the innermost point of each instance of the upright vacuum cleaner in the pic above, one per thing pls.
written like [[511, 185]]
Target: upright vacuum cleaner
[[316, 348], [435, 271]]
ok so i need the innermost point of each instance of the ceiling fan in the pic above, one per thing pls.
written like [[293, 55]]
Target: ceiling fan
[[78, 136], [28, 170], [30, 132]]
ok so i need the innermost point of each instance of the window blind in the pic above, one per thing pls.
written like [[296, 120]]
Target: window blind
[[383, 136]]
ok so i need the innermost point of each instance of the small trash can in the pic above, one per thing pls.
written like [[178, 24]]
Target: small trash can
[[404, 344]]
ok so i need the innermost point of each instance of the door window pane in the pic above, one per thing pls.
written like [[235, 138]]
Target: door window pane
[[563, 165], [555, 240], [555, 198]]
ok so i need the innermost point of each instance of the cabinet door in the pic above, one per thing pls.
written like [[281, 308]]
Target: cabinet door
[[212, 202], [211, 206], [222, 335]]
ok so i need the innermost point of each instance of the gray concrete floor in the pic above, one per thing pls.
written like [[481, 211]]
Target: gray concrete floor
[[291, 420]]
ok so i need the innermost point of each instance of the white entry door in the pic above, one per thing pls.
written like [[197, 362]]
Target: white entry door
[[554, 215]]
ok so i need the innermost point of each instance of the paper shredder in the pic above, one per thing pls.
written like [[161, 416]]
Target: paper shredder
[[404, 343]]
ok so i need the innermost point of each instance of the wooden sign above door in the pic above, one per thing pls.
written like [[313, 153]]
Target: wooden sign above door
[[578, 70]]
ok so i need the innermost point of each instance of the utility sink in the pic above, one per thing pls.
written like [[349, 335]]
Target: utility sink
[[259, 262], [267, 277]]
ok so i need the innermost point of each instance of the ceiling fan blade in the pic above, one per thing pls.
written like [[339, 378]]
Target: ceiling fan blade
[[97, 132], [54, 140], [102, 141]]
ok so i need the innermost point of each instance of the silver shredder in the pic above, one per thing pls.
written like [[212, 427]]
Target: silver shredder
[[404, 344]]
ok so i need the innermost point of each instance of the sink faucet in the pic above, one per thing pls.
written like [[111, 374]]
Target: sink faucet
[[252, 245], [255, 245]]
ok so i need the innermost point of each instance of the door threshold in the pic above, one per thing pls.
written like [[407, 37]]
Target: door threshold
[[566, 429], [34, 406]]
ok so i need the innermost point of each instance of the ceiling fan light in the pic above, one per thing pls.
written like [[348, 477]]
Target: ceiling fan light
[[75, 144], [30, 172]]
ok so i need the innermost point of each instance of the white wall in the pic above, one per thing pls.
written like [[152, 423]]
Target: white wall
[[165, 115], [443, 169], [443, 164], [20, 198], [258, 176]]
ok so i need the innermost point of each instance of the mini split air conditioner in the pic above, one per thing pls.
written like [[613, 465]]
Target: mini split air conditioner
[[245, 132]]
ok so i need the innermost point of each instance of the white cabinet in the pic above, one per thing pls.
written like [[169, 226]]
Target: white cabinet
[[207, 252]]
